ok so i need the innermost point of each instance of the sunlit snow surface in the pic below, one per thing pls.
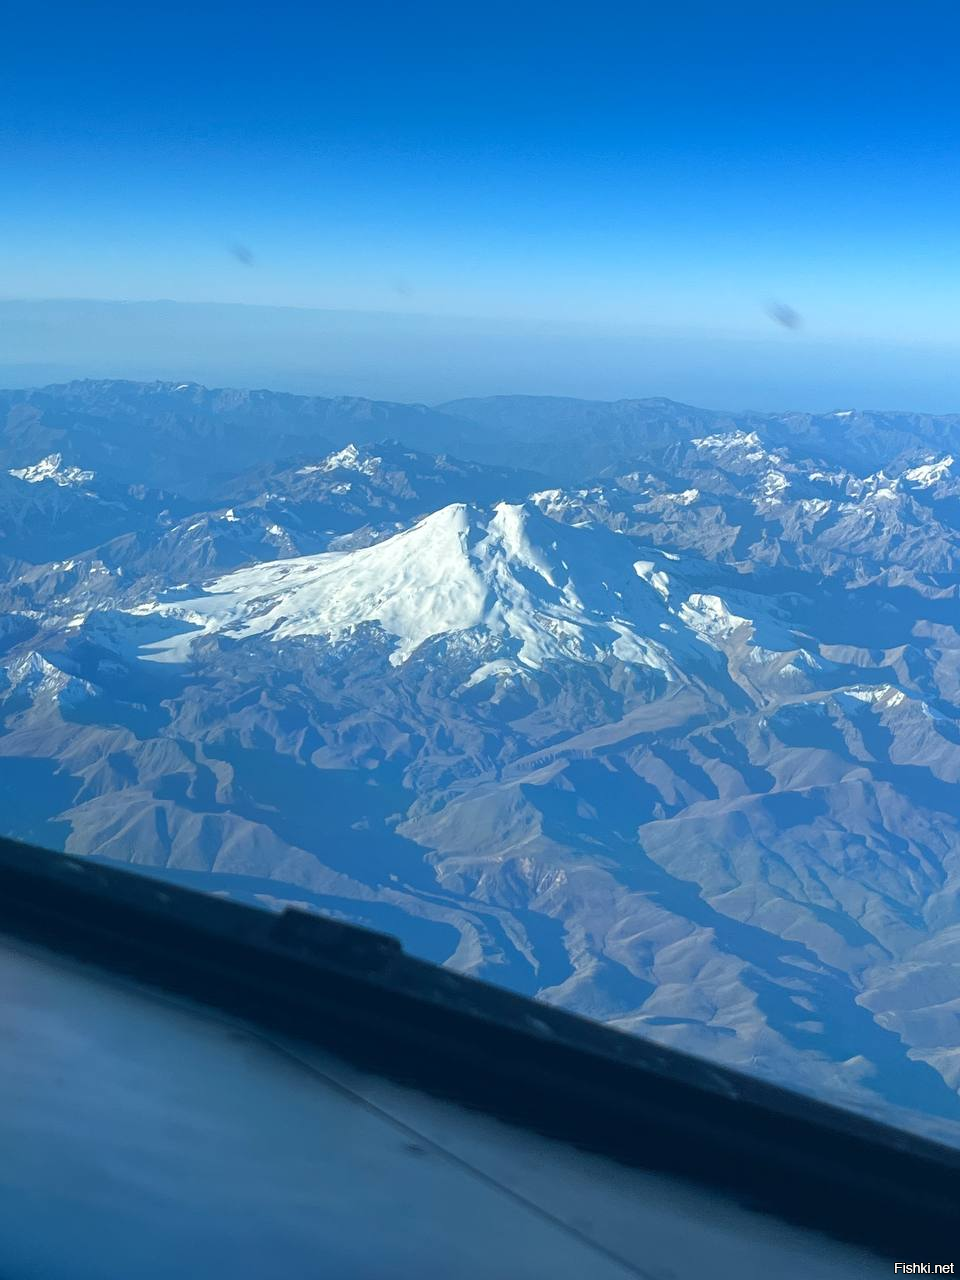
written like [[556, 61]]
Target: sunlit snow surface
[[930, 472], [51, 468], [346, 459], [506, 572], [668, 743]]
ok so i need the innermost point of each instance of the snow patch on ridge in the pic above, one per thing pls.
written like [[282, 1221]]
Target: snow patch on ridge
[[730, 439], [709, 616], [659, 580], [34, 676], [774, 482], [348, 458], [51, 468], [886, 693], [930, 472], [741, 446], [683, 499]]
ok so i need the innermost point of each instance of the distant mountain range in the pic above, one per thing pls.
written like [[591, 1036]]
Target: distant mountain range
[[415, 356], [648, 710]]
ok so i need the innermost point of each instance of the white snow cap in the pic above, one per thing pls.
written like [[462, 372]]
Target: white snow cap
[[683, 499], [709, 615], [348, 458], [737, 446], [544, 590], [51, 468], [930, 472]]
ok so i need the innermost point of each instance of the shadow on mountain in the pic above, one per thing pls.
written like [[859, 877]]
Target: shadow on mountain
[[776, 969], [836, 1026], [30, 790]]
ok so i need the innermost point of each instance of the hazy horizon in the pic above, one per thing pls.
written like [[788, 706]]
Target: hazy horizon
[[741, 207], [427, 358]]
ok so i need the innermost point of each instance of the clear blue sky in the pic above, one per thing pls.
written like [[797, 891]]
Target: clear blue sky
[[670, 164]]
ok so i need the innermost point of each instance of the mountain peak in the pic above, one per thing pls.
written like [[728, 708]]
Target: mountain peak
[[544, 591], [51, 468], [349, 458]]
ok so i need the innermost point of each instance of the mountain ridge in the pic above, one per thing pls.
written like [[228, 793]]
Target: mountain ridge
[[744, 841]]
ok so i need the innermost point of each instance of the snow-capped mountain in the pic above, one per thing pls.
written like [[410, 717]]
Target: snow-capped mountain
[[186, 437], [51, 468], [53, 508], [357, 493], [536, 590], [676, 745], [731, 499]]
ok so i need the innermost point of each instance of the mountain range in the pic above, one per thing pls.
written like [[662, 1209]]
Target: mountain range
[[646, 710]]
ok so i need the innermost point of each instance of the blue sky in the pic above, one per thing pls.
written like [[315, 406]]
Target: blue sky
[[673, 165]]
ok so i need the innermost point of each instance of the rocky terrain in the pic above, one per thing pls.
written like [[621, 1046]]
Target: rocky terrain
[[650, 711]]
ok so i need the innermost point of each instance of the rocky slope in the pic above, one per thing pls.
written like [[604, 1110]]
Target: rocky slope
[[676, 746]]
